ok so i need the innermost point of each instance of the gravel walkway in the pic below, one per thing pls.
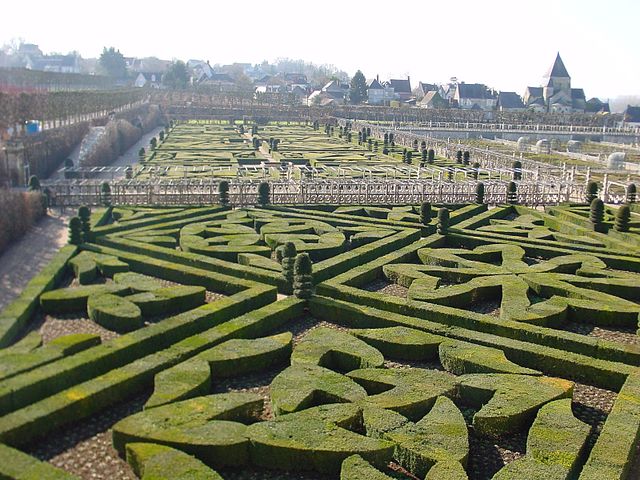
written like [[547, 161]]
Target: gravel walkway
[[24, 259]]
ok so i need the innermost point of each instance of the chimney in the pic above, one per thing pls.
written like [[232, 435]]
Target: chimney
[[377, 78]]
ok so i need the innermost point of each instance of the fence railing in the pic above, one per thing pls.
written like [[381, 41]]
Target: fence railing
[[303, 192]]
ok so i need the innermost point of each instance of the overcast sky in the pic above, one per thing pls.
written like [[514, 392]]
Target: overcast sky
[[506, 44]]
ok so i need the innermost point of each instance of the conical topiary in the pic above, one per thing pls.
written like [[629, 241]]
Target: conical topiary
[[512, 193], [105, 190], [517, 170], [288, 260], [631, 193], [425, 213], [75, 231], [480, 193], [84, 213], [34, 183], [303, 276], [476, 170], [623, 215], [443, 221], [223, 193], [264, 193], [591, 192], [597, 213], [466, 157]]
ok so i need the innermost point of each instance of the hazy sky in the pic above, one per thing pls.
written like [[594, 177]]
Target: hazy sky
[[506, 44]]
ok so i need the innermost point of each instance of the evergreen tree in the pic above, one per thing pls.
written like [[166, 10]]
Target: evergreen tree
[[358, 90], [480, 193], [476, 171], [443, 221], [141, 153], [459, 156], [75, 231], [264, 193], [466, 156], [223, 193], [105, 190], [425, 213], [288, 261], [176, 76], [113, 63], [84, 214], [591, 192], [623, 215], [424, 157], [303, 276], [517, 170], [34, 184], [409, 157], [597, 214], [432, 155], [512, 195], [631, 193]]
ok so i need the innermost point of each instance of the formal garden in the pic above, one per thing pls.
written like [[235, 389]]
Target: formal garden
[[336, 341]]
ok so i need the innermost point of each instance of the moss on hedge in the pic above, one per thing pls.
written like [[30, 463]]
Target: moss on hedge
[[114, 313], [462, 357], [441, 435], [408, 391], [335, 350], [357, 468], [509, 403], [206, 427], [16, 465], [150, 461], [186, 380], [302, 386], [71, 300], [401, 342], [318, 439]]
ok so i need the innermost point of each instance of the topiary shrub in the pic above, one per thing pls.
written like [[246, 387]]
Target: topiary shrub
[[161, 135], [75, 231], [288, 252], [512, 193], [591, 192], [128, 173], [480, 193], [631, 193], [476, 170], [459, 156], [68, 163], [153, 143], [409, 157], [303, 276], [431, 155], [425, 213], [34, 183], [264, 193], [623, 215], [223, 193], [423, 157], [84, 213], [517, 170], [141, 152], [597, 214], [443, 221], [105, 190], [466, 157]]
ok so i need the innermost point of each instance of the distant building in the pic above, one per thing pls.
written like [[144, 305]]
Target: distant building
[[433, 99], [475, 96], [509, 102], [556, 95], [401, 88], [595, 105], [422, 89], [378, 94], [631, 117], [149, 80]]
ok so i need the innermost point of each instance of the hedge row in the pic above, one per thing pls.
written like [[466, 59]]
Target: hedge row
[[550, 360], [25, 389], [616, 447], [16, 465], [103, 389], [18, 313]]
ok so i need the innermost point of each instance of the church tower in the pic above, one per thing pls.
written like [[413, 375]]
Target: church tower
[[557, 79]]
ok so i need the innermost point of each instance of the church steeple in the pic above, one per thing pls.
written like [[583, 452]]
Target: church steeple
[[558, 70]]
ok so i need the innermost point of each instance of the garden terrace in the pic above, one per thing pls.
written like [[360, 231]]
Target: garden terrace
[[485, 343]]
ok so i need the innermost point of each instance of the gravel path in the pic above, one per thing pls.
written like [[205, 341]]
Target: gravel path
[[27, 256]]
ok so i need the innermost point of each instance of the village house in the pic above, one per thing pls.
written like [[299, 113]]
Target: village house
[[475, 96]]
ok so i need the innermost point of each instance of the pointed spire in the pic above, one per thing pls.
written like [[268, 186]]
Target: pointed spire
[[558, 69]]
